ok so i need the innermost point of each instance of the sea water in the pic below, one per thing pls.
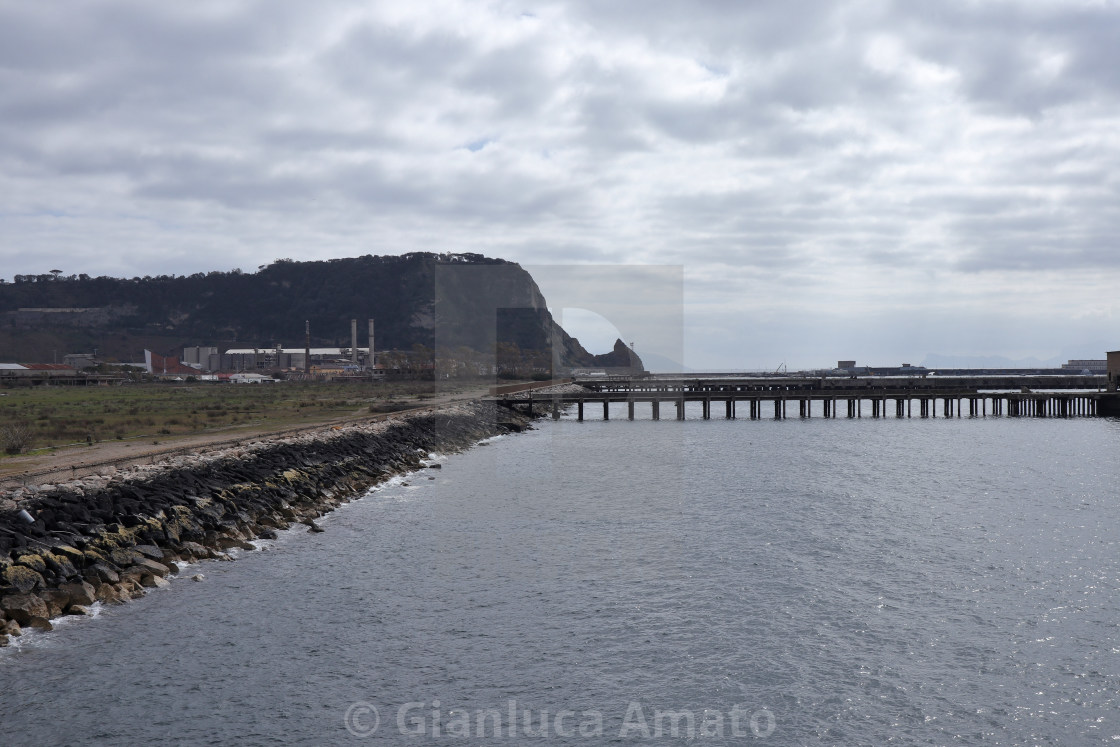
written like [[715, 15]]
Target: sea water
[[814, 581]]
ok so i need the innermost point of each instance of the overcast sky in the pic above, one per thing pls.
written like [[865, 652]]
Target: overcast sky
[[865, 179]]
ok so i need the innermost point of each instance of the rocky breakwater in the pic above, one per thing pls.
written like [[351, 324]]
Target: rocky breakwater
[[111, 537]]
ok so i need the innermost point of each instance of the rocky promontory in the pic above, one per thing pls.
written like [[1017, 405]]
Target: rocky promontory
[[108, 538]]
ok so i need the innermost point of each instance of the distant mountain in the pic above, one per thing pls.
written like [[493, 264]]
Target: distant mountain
[[449, 300]]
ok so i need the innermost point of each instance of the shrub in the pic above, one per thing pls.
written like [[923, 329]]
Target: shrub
[[15, 437]]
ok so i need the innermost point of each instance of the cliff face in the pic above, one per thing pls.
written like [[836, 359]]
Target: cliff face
[[620, 357], [434, 300]]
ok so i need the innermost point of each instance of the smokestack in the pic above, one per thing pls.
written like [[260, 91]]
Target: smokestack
[[307, 348], [353, 342], [370, 360]]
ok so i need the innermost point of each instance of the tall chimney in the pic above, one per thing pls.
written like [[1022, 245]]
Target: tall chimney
[[353, 342], [370, 360], [307, 347]]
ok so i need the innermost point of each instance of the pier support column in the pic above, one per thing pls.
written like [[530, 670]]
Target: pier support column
[[606, 410], [730, 409], [630, 409], [680, 409], [656, 410], [579, 416], [777, 409], [555, 409], [707, 408]]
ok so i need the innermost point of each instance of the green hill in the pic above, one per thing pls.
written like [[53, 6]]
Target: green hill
[[449, 300]]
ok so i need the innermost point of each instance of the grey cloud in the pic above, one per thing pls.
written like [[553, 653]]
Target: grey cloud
[[753, 142]]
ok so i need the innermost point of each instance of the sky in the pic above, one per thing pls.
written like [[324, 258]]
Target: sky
[[853, 179]]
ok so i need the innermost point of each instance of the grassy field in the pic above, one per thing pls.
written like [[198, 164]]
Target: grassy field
[[52, 417]]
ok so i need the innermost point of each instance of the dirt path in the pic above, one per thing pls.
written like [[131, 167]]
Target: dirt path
[[75, 461]]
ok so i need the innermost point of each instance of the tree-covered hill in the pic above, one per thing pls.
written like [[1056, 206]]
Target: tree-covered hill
[[428, 299]]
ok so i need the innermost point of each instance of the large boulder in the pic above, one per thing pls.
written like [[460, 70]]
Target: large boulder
[[149, 551], [124, 558], [102, 573], [60, 565], [80, 593], [111, 594], [193, 550], [21, 578], [23, 608], [73, 554], [151, 567], [57, 601], [34, 561]]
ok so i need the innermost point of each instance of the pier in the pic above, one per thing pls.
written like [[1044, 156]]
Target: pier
[[755, 398]]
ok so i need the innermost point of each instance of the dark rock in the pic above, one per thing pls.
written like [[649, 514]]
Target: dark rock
[[34, 561], [102, 573], [151, 567], [56, 600], [73, 554], [21, 578], [110, 594], [149, 581], [40, 623], [60, 565], [23, 608], [80, 593], [149, 551]]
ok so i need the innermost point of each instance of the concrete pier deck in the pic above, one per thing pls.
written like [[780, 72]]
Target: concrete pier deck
[[874, 397]]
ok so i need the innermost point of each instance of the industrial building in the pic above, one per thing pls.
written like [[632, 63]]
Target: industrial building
[[270, 359]]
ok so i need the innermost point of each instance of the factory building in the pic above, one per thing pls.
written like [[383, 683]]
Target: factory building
[[271, 359]]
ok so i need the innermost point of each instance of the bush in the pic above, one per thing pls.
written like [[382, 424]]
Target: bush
[[15, 437]]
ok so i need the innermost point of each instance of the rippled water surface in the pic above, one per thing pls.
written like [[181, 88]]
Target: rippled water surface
[[847, 582]]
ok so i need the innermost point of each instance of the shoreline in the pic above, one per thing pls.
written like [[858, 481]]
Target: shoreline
[[110, 537]]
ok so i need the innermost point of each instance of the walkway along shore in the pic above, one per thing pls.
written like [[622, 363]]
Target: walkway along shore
[[108, 538]]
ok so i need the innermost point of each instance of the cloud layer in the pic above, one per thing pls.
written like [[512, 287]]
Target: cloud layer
[[837, 179]]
